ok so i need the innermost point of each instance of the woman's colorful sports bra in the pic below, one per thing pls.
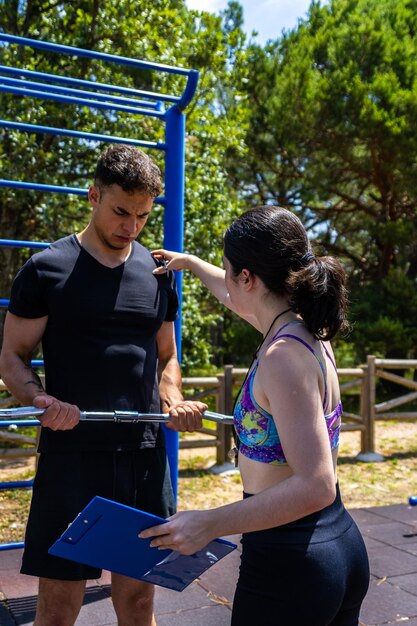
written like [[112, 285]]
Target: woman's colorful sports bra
[[255, 428]]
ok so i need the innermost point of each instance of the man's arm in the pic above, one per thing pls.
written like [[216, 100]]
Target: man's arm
[[20, 338], [184, 414]]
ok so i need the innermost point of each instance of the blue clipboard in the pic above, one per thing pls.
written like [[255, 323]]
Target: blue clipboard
[[105, 535]]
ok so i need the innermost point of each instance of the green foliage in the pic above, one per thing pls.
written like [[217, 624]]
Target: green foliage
[[164, 31], [322, 121], [344, 351], [384, 318], [332, 135]]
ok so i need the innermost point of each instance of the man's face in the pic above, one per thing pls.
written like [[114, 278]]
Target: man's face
[[118, 217]]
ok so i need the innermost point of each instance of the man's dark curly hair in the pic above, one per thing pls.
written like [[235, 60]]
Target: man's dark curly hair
[[130, 168]]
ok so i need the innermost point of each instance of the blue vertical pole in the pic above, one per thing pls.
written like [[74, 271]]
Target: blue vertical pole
[[174, 237]]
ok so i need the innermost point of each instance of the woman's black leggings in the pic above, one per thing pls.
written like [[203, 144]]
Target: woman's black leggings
[[312, 572]]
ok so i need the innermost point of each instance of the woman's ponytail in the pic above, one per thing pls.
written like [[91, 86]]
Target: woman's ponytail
[[317, 292]]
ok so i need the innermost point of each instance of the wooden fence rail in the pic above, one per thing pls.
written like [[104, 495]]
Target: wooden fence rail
[[361, 381], [227, 386]]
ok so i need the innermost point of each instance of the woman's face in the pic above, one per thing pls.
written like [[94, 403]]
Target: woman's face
[[233, 284]]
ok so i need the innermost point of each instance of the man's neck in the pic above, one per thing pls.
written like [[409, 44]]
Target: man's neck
[[110, 257]]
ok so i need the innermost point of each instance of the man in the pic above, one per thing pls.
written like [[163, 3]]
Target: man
[[105, 322]]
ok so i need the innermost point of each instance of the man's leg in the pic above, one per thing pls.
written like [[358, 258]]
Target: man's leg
[[132, 601], [59, 602]]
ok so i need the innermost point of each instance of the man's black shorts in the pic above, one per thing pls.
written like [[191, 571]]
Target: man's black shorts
[[66, 482]]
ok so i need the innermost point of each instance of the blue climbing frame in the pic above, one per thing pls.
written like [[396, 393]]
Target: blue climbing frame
[[169, 108]]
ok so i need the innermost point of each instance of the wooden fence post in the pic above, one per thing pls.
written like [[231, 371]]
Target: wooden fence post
[[367, 453], [364, 409], [225, 406]]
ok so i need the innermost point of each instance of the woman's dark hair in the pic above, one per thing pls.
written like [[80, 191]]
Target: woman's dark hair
[[272, 243], [130, 168]]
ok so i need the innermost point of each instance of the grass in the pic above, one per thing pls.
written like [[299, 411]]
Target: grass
[[14, 506], [362, 484]]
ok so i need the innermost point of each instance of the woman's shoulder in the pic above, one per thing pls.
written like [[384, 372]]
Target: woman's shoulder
[[292, 340], [291, 355], [283, 358]]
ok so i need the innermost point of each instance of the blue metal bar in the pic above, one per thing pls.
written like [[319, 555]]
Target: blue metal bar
[[12, 546], [33, 128], [93, 104], [15, 243], [17, 484], [15, 71], [78, 93], [7, 423], [54, 189], [174, 192], [173, 239], [90, 54], [174, 158], [44, 188], [189, 91]]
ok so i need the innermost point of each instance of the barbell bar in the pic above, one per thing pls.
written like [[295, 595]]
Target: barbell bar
[[103, 416]]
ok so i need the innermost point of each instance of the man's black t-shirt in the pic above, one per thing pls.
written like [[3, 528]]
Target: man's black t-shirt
[[99, 346]]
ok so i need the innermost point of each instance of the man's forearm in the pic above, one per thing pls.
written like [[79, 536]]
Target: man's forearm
[[170, 386], [21, 380]]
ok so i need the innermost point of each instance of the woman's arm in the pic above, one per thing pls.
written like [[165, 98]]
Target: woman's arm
[[211, 276], [289, 383]]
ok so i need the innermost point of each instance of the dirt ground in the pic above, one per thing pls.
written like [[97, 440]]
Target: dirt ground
[[10, 467]]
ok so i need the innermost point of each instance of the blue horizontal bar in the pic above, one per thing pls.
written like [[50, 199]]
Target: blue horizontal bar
[[78, 93], [39, 187], [54, 189], [15, 243], [7, 423], [93, 104], [12, 546], [112, 58], [32, 128], [89, 83], [17, 484], [4, 302]]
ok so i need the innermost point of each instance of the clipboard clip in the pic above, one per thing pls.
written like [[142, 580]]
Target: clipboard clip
[[79, 527]]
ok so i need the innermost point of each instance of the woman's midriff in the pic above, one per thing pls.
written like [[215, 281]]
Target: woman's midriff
[[258, 476]]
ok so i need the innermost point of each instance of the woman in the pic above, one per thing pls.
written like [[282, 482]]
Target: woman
[[303, 560]]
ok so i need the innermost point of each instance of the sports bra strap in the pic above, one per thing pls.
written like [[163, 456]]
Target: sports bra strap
[[278, 335], [330, 357]]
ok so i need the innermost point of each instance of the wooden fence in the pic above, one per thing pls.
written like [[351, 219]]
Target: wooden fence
[[224, 387], [360, 381]]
